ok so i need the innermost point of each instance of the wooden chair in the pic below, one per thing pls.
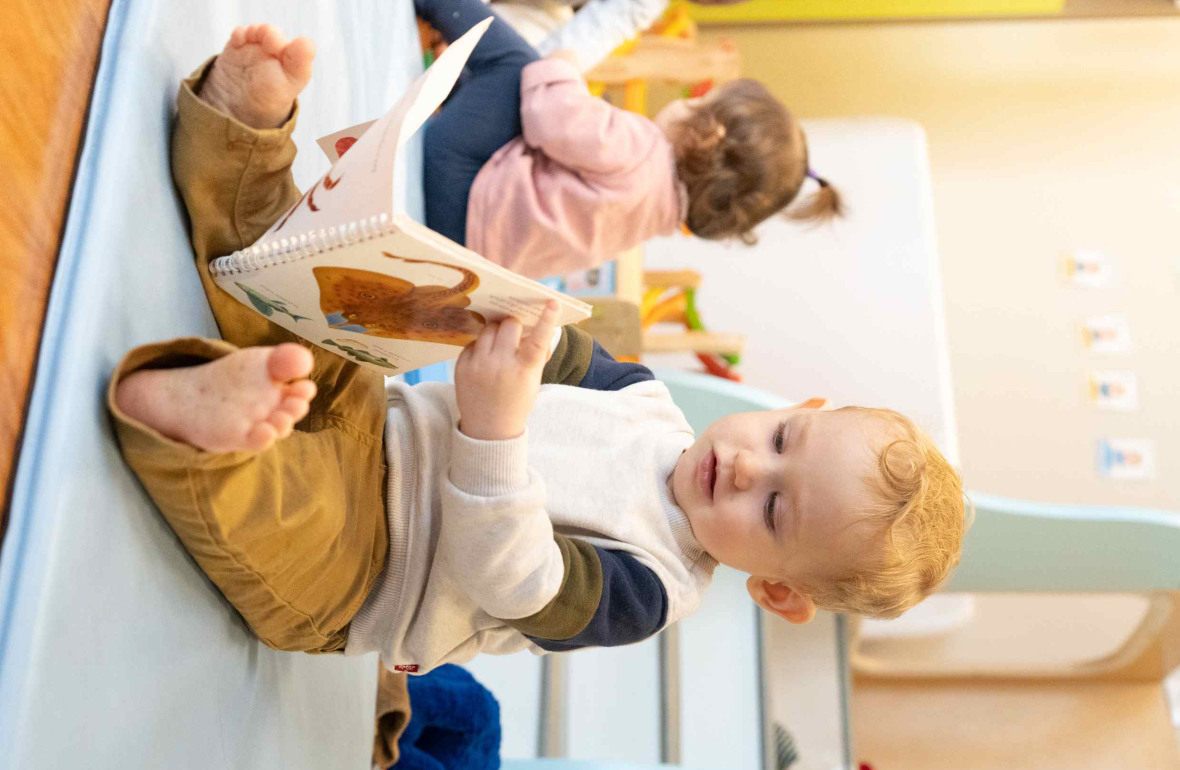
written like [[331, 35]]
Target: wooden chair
[[1103, 711]]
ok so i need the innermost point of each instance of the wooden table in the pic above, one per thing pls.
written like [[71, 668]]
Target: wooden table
[[50, 50]]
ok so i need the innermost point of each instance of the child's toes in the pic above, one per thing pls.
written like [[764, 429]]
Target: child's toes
[[297, 58], [237, 38], [295, 407], [254, 33], [271, 40], [304, 390], [282, 423], [260, 437], [289, 361]]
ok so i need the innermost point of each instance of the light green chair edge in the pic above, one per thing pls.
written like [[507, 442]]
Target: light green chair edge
[[1019, 545]]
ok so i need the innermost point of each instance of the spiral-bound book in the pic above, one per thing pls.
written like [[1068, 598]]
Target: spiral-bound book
[[347, 269]]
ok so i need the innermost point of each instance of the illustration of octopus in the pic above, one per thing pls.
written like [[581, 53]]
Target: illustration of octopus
[[383, 306]]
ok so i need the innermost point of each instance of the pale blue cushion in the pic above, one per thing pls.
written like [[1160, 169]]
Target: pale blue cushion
[[115, 651]]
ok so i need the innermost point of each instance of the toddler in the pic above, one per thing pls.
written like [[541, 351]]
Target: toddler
[[434, 522], [525, 167]]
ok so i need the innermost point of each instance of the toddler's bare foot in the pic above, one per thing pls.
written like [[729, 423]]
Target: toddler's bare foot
[[241, 402], [258, 75]]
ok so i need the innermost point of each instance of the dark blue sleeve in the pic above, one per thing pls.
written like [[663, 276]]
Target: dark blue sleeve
[[632, 607], [605, 373]]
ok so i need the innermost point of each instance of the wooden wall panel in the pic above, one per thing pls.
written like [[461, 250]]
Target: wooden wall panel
[[50, 50]]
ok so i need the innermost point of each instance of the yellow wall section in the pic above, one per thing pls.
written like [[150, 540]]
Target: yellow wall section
[[816, 10]]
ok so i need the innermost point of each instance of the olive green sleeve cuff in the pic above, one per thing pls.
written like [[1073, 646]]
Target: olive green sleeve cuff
[[571, 358], [572, 609]]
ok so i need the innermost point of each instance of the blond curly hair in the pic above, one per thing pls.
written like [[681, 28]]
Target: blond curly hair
[[921, 514]]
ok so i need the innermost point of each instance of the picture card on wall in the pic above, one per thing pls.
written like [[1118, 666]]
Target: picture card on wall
[[1107, 333], [1126, 458], [1088, 268], [1115, 390]]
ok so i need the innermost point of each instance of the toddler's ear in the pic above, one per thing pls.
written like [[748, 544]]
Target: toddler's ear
[[781, 599]]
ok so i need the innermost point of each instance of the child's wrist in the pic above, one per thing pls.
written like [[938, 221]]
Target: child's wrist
[[488, 468], [494, 431]]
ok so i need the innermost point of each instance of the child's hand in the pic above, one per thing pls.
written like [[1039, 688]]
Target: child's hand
[[497, 377]]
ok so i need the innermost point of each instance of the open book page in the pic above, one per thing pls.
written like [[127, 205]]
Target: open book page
[[362, 181], [394, 299]]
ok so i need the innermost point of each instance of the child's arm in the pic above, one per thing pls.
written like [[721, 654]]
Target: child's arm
[[564, 121], [600, 27], [579, 360], [496, 536]]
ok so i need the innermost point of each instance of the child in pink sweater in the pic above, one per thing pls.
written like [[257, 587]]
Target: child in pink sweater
[[524, 166]]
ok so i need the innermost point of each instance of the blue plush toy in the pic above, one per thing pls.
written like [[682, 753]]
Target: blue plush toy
[[454, 723]]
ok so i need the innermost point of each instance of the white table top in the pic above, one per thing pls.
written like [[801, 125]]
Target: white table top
[[852, 311]]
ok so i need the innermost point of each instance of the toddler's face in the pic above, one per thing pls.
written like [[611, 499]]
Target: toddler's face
[[778, 494]]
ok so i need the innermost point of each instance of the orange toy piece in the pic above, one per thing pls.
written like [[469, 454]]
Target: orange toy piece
[[671, 298], [716, 366]]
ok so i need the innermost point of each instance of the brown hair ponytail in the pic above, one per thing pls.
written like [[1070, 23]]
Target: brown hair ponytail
[[743, 158], [824, 205]]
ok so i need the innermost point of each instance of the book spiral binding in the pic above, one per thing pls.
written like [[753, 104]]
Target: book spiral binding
[[309, 244]]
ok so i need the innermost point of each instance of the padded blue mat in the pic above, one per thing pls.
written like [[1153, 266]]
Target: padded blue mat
[[115, 651]]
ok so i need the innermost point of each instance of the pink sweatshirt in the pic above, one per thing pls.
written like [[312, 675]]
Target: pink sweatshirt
[[585, 182]]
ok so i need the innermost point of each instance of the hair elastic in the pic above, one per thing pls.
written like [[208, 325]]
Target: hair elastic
[[819, 179]]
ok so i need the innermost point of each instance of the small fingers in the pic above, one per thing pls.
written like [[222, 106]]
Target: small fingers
[[547, 322], [508, 336], [541, 335], [487, 339]]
